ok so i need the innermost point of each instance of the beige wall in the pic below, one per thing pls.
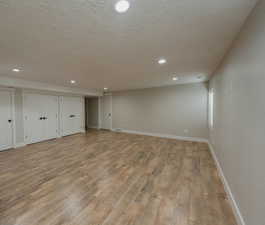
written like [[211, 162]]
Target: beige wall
[[166, 110], [238, 135], [91, 105]]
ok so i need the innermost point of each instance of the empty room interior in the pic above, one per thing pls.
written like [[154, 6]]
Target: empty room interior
[[129, 112]]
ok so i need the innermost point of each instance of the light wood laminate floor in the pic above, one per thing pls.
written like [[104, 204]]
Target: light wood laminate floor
[[107, 178]]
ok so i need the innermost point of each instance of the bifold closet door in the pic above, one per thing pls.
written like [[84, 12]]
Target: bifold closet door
[[71, 115], [6, 120], [41, 117], [106, 102], [51, 120]]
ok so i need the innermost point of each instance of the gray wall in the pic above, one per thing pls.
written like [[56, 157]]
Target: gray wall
[[165, 110], [238, 135], [91, 107]]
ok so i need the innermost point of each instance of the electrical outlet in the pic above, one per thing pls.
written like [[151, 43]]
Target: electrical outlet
[[186, 131]]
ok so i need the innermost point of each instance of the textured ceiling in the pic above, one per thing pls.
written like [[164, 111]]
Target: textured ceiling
[[88, 41]]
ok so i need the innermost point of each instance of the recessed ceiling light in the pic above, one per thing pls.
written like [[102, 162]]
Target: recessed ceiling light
[[105, 89], [175, 78], [16, 70], [72, 81], [162, 61], [122, 6]]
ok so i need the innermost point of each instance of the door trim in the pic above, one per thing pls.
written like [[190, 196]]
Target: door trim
[[13, 113]]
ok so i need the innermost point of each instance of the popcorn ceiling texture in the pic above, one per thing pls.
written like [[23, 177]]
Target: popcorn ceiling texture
[[87, 40]]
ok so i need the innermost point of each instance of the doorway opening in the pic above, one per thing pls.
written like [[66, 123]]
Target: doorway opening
[[92, 112]]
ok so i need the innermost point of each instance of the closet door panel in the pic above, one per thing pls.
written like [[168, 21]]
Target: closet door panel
[[6, 120], [50, 113], [33, 109], [106, 102], [66, 116], [71, 115], [77, 103], [41, 117]]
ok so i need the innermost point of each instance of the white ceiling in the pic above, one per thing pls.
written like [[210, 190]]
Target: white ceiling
[[88, 41]]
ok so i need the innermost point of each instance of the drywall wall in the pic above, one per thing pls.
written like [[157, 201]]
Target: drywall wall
[[91, 109], [179, 110], [238, 134]]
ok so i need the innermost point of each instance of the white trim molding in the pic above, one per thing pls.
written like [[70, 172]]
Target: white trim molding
[[233, 203], [20, 145], [194, 139]]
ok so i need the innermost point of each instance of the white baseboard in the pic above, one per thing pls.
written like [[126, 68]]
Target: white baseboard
[[229, 193], [93, 127], [19, 145], [194, 139]]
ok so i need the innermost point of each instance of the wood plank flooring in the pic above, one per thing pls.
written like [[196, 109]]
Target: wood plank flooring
[[107, 178]]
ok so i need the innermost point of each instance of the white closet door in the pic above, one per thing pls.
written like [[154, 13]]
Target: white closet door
[[6, 120], [33, 118], [72, 113], [50, 114], [41, 122], [107, 112]]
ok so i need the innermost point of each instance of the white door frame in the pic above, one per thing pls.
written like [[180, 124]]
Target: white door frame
[[12, 92]]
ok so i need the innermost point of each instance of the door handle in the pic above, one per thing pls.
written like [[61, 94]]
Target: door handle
[[9, 121], [71, 116]]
